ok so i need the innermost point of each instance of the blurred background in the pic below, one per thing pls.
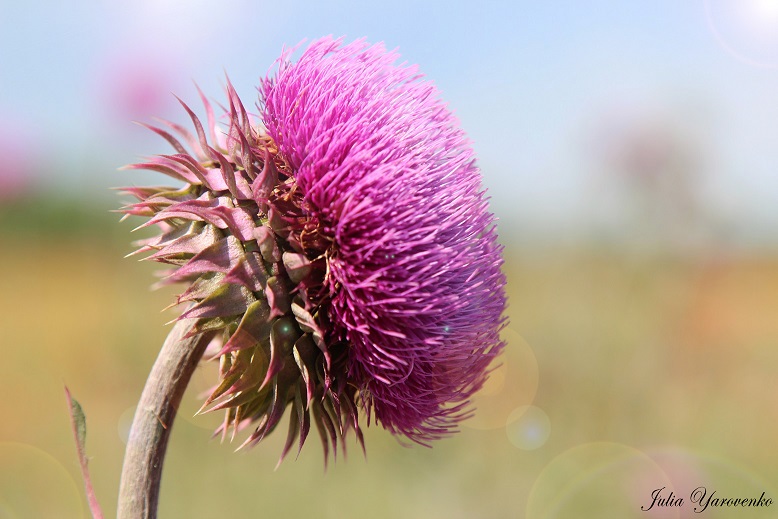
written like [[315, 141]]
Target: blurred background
[[630, 153]]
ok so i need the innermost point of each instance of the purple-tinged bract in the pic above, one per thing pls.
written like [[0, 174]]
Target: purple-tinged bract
[[340, 248]]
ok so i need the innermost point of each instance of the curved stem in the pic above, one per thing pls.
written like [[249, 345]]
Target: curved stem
[[153, 421]]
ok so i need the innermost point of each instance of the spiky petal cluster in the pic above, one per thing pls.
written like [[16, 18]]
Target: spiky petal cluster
[[256, 291], [341, 248]]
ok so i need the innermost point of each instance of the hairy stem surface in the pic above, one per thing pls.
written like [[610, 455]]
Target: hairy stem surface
[[142, 469]]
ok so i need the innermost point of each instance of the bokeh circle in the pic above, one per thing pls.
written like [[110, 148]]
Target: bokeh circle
[[512, 383], [528, 427], [35, 484]]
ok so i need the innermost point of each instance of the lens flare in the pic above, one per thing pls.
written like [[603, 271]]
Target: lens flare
[[746, 29], [600, 479]]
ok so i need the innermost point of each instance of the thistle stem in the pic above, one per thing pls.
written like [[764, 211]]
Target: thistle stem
[[153, 421]]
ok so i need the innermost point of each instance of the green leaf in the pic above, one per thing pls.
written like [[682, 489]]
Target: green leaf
[[78, 424]]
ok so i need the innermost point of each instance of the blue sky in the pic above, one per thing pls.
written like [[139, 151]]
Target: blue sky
[[542, 88]]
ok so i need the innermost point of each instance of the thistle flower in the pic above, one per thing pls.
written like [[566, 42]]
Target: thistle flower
[[340, 248]]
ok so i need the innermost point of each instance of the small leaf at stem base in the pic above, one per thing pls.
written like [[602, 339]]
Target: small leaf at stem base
[[78, 424]]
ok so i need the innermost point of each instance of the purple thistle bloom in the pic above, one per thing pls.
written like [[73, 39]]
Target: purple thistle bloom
[[415, 276], [342, 250]]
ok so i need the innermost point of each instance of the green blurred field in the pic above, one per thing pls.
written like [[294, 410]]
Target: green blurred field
[[653, 370]]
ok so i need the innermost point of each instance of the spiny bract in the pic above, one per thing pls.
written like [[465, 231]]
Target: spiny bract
[[340, 248]]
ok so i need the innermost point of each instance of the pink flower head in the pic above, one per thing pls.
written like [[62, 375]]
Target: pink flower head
[[415, 282], [342, 249]]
